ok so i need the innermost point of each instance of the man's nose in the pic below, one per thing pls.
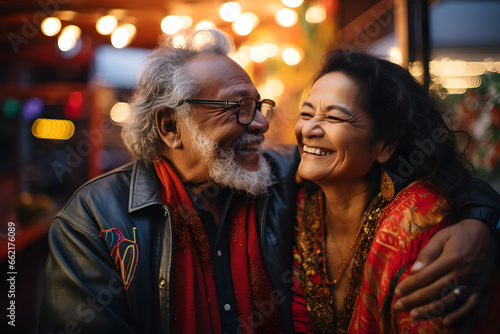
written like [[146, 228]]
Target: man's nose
[[259, 123]]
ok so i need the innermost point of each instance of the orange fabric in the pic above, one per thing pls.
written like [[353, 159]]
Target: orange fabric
[[194, 304]]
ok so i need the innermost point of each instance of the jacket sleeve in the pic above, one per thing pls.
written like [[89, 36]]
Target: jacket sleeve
[[82, 291], [482, 202]]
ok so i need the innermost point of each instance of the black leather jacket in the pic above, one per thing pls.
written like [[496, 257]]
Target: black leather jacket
[[84, 291]]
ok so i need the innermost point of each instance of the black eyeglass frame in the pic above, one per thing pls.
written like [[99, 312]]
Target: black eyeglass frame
[[258, 105]]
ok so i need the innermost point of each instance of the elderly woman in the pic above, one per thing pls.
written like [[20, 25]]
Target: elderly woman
[[385, 173]]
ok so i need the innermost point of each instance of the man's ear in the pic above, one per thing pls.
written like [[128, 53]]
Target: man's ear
[[386, 152], [167, 128]]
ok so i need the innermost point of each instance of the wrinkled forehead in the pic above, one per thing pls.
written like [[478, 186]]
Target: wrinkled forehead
[[220, 77]]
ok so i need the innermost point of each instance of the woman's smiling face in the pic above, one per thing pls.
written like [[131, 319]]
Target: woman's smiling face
[[335, 136]]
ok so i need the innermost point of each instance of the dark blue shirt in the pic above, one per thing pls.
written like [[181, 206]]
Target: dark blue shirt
[[218, 237]]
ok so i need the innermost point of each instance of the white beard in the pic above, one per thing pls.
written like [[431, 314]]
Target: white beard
[[223, 169]]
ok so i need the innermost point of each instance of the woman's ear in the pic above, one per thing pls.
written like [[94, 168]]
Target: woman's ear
[[167, 128], [386, 153]]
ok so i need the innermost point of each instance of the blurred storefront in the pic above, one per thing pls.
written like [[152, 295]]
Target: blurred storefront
[[67, 69]]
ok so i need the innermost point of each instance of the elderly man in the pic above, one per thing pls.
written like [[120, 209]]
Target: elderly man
[[196, 235]]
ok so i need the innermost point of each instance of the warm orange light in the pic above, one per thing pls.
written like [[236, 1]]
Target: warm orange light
[[292, 3], [51, 26], [286, 17], [58, 129], [120, 112], [106, 24], [230, 11], [68, 37], [291, 56], [315, 14], [245, 23]]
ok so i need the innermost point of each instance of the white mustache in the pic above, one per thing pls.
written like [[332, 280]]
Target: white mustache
[[247, 138]]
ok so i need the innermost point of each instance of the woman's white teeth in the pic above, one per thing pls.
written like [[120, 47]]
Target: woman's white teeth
[[316, 151]]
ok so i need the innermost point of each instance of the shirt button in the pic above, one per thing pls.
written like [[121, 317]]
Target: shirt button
[[219, 253], [162, 284], [227, 307]]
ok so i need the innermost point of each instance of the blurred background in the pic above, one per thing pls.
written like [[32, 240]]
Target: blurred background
[[68, 67]]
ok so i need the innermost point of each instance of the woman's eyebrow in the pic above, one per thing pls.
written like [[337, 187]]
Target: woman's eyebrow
[[342, 109]]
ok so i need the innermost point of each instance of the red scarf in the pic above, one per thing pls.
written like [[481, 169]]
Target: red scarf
[[194, 299]]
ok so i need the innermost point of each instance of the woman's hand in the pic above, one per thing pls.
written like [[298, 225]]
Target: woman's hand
[[451, 275]]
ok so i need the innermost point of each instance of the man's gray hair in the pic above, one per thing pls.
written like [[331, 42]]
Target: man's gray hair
[[164, 82]]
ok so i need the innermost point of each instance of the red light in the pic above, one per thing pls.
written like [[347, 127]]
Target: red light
[[75, 99], [74, 108]]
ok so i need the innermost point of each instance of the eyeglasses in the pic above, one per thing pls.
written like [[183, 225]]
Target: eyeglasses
[[246, 108]]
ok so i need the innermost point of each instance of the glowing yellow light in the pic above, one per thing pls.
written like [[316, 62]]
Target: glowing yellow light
[[258, 54], [395, 55], [274, 87], [173, 23], [178, 40], [66, 15], [202, 38], [457, 67], [205, 25], [122, 36], [244, 24], [58, 129], [68, 37], [489, 64], [186, 22], [291, 56], [51, 26], [416, 68], [286, 17], [456, 90], [292, 3], [120, 112], [230, 11], [241, 58], [106, 24], [315, 14], [271, 49], [456, 82]]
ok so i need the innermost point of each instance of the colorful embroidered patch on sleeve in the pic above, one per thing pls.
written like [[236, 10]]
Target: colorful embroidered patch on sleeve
[[124, 251]]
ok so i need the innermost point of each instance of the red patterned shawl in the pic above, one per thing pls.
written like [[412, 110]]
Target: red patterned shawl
[[194, 304]]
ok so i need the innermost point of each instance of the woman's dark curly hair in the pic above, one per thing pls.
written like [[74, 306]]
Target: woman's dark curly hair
[[404, 114]]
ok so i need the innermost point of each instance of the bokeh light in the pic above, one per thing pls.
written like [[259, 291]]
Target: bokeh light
[[271, 49], [58, 129], [106, 24], [245, 23], [178, 40], [286, 17], [74, 108], [123, 35], [258, 54], [173, 23], [33, 108], [315, 14], [51, 26], [230, 11], [291, 56], [68, 37], [119, 112], [11, 107], [205, 25], [292, 3]]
